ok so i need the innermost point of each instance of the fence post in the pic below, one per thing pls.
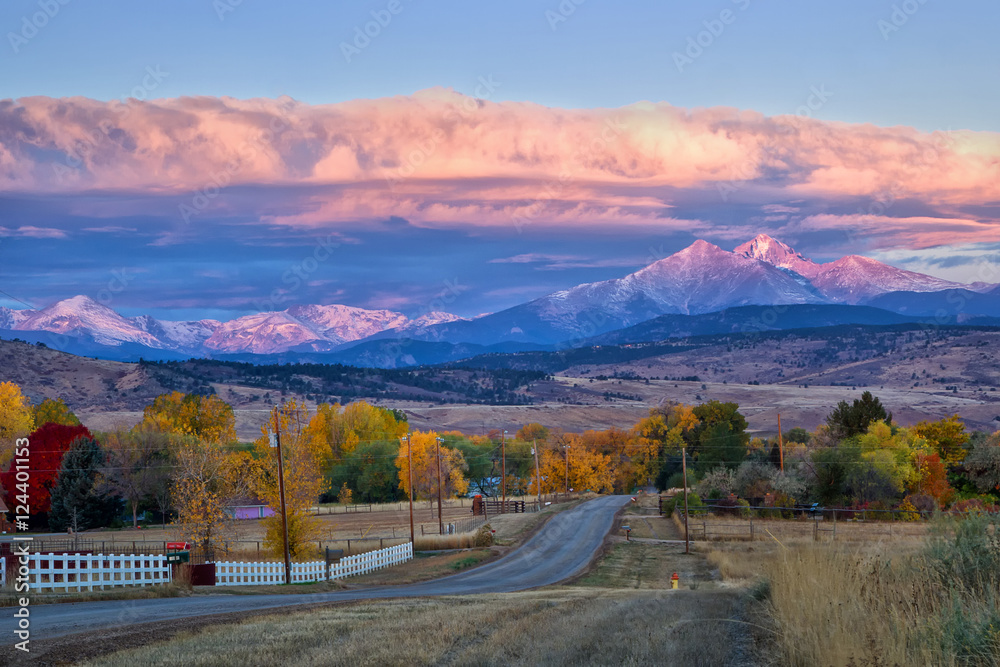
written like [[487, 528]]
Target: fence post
[[751, 527], [348, 546]]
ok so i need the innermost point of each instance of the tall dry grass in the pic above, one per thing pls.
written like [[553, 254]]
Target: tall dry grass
[[837, 605], [482, 537]]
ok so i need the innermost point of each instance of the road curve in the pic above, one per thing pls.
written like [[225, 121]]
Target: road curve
[[561, 549]]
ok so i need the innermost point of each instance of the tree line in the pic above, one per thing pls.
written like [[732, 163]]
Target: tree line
[[183, 463]]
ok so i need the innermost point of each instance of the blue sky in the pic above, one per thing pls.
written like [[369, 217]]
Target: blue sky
[[928, 65]]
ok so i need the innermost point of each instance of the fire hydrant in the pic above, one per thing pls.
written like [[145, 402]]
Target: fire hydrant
[[675, 581]]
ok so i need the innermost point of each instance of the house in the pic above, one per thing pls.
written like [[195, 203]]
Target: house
[[249, 508]]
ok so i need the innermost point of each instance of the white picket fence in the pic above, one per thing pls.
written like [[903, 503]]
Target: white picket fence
[[248, 574], [79, 572]]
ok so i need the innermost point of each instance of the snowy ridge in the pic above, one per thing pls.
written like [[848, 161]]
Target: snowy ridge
[[701, 278]]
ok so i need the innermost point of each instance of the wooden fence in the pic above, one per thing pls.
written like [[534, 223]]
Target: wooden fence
[[249, 574], [79, 572]]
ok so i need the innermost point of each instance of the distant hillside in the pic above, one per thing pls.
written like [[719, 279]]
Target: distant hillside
[[750, 319], [101, 385]]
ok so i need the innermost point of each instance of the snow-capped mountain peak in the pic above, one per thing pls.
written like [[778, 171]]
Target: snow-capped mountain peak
[[776, 253], [81, 315]]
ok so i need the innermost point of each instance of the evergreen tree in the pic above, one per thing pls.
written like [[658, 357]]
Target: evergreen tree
[[76, 502], [848, 420]]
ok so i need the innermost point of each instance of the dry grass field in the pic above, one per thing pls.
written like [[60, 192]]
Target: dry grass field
[[574, 626]]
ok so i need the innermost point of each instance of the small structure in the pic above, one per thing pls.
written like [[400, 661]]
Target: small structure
[[249, 508]]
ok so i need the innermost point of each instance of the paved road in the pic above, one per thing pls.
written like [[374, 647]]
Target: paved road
[[560, 550]]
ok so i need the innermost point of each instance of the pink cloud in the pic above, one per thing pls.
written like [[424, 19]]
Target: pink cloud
[[28, 231], [431, 160]]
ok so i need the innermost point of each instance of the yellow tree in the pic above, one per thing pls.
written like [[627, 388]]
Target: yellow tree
[[338, 429], [425, 471], [946, 436], [16, 418], [207, 481], [55, 411], [303, 475], [588, 469], [206, 417]]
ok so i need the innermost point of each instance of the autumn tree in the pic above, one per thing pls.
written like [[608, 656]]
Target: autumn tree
[[425, 468], [208, 418], [337, 429], [48, 446], [55, 411], [932, 478], [946, 436], [207, 481], [303, 477], [16, 418], [136, 466]]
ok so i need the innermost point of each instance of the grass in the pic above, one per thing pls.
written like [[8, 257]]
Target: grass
[[905, 601], [423, 567], [9, 598], [555, 627]]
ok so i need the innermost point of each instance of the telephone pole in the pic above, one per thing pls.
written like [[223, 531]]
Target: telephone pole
[[281, 493], [538, 475], [409, 471], [781, 445], [566, 447], [684, 467], [437, 441], [503, 469]]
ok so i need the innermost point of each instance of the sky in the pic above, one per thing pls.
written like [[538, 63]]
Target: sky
[[205, 158]]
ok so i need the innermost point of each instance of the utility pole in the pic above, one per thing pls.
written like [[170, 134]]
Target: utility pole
[[409, 470], [781, 445], [684, 467], [437, 441], [566, 447], [503, 469], [281, 493], [538, 475]]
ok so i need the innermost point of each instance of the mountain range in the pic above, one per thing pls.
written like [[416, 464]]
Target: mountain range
[[700, 279]]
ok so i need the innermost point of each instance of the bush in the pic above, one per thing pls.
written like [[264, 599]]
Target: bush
[[484, 536], [677, 502], [907, 511], [923, 503], [717, 483]]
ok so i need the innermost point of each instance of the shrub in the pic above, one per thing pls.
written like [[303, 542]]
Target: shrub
[[484, 536], [717, 483], [922, 502], [907, 511], [677, 502]]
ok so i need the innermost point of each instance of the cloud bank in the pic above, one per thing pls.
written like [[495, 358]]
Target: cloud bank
[[438, 158]]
